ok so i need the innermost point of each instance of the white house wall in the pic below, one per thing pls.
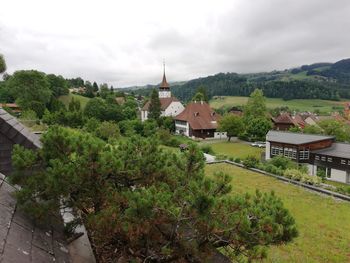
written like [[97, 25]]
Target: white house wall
[[175, 108], [267, 150], [338, 175], [180, 127]]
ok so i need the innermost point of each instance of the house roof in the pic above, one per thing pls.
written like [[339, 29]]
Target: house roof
[[295, 138], [17, 132], [164, 103], [341, 150], [286, 118], [199, 115], [21, 239]]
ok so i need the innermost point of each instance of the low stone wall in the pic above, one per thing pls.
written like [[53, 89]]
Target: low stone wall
[[307, 186]]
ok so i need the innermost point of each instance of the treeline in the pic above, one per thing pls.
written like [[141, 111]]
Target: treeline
[[232, 84]]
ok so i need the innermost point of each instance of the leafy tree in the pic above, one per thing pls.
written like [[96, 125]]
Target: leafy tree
[[144, 203], [2, 64], [95, 87], [31, 90], [336, 128], [233, 125], [96, 108], [104, 91], [108, 131], [58, 85], [154, 106], [257, 128], [255, 116], [202, 89], [312, 129], [256, 106], [198, 97]]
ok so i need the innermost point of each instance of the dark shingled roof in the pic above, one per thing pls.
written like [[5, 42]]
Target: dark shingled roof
[[13, 132], [21, 240], [295, 138], [341, 150]]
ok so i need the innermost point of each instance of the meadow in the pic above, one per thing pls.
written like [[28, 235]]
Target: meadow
[[234, 149], [322, 222], [67, 98], [323, 106]]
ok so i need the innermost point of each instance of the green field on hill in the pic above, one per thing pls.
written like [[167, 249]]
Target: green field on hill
[[323, 106], [67, 98], [322, 222]]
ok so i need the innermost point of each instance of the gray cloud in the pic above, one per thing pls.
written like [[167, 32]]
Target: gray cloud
[[125, 46]]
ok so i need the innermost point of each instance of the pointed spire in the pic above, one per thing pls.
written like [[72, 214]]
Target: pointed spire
[[164, 84]]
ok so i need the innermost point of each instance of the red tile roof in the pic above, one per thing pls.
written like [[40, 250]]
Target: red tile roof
[[200, 116], [164, 103]]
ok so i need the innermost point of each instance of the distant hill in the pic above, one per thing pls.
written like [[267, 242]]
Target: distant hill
[[315, 81]]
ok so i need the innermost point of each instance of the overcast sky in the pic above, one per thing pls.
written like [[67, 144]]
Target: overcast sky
[[124, 42]]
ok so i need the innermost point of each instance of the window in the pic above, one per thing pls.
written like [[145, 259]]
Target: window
[[290, 153], [343, 162], [304, 154], [317, 157], [323, 158], [276, 150], [329, 159], [348, 162]]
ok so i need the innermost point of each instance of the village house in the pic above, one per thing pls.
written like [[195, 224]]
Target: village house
[[319, 153], [198, 120], [170, 106], [284, 121]]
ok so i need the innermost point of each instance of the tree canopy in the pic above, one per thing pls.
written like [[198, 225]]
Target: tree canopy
[[31, 89], [2, 64], [140, 203], [233, 125]]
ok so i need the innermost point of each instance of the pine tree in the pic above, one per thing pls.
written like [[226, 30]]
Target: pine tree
[[155, 106], [145, 203]]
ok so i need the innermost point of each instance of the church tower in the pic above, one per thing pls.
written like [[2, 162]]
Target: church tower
[[164, 89]]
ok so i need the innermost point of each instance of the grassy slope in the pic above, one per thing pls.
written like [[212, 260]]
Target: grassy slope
[[235, 149], [323, 223], [67, 98], [324, 106]]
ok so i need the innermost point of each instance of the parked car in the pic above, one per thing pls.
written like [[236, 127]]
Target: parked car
[[258, 144]]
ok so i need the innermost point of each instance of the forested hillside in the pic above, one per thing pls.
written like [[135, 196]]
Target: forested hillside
[[315, 81]]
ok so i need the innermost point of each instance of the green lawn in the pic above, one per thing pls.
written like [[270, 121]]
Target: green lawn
[[323, 223], [67, 98], [234, 149], [324, 106]]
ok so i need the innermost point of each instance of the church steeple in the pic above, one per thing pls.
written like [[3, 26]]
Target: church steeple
[[164, 88], [164, 84]]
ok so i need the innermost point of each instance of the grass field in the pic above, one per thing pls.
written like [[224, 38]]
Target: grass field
[[67, 98], [234, 149], [324, 106], [322, 222]]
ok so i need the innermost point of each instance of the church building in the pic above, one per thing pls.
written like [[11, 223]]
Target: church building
[[170, 106]]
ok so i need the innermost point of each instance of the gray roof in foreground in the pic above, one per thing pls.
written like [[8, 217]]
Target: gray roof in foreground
[[295, 138], [341, 150], [21, 239], [17, 132]]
